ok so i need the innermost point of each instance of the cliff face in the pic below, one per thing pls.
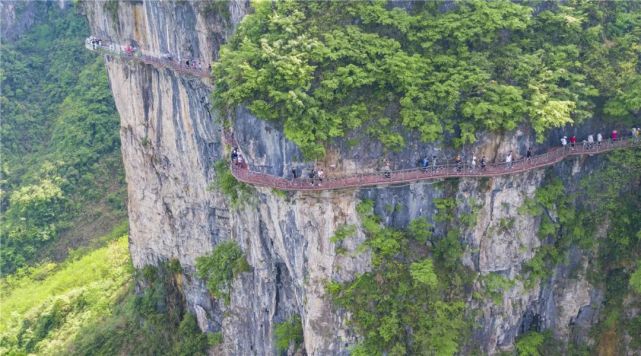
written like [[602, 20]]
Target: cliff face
[[171, 139]]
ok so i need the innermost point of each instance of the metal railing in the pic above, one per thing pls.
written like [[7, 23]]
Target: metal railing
[[447, 170]]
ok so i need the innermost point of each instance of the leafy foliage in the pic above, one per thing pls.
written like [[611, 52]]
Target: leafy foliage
[[288, 332], [229, 185], [152, 323], [60, 142], [528, 344], [45, 307], [326, 69], [635, 279], [406, 304], [224, 263]]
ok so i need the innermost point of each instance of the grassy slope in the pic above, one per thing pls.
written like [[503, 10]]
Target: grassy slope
[[47, 305]]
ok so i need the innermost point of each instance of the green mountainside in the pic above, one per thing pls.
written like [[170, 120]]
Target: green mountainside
[[62, 174]]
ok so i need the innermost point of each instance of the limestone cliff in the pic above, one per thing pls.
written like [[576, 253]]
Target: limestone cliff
[[171, 139]]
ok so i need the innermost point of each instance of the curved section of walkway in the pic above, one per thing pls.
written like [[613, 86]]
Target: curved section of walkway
[[245, 175], [129, 54]]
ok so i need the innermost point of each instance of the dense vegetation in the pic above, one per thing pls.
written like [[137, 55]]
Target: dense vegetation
[[87, 306], [45, 307], [433, 68], [61, 169], [151, 323], [412, 300], [220, 267]]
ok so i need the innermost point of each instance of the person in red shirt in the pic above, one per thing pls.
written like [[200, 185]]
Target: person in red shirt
[[572, 141], [614, 135]]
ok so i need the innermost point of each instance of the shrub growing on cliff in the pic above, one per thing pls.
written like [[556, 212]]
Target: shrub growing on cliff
[[220, 267], [406, 304], [228, 184], [288, 332]]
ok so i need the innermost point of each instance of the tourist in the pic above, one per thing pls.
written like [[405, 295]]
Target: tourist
[[473, 161], [387, 172], [613, 136], [321, 175], [528, 155], [234, 155], [508, 160], [637, 134], [294, 174], [434, 163], [572, 142], [458, 160], [425, 163], [482, 163], [312, 174], [564, 141], [590, 141], [599, 138], [240, 161], [585, 144]]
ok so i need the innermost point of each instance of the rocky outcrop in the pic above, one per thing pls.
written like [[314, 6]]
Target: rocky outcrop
[[171, 139]]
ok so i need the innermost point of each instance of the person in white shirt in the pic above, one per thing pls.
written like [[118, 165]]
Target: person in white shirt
[[564, 141], [508, 160]]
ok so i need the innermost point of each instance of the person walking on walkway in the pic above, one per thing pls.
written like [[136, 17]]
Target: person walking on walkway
[[599, 138], [483, 163], [321, 176], [528, 155], [425, 163], [387, 172], [564, 142], [473, 162], [434, 163], [572, 142], [637, 134], [508, 160], [613, 136], [234, 155], [312, 175], [457, 160], [590, 141], [294, 174]]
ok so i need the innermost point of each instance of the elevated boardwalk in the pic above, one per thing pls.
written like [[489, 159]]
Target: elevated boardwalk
[[245, 175], [129, 54], [449, 170]]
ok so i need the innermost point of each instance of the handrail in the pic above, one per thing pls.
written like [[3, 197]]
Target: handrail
[[448, 170]]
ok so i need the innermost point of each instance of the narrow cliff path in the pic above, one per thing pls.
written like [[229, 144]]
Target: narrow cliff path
[[246, 175]]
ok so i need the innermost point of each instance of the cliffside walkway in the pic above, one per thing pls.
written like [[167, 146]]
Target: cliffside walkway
[[130, 54], [245, 175], [449, 170]]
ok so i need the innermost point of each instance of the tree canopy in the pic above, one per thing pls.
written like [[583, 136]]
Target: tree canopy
[[326, 69]]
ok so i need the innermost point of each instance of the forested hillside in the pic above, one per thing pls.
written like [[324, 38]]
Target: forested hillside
[[62, 176], [435, 69], [67, 282]]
